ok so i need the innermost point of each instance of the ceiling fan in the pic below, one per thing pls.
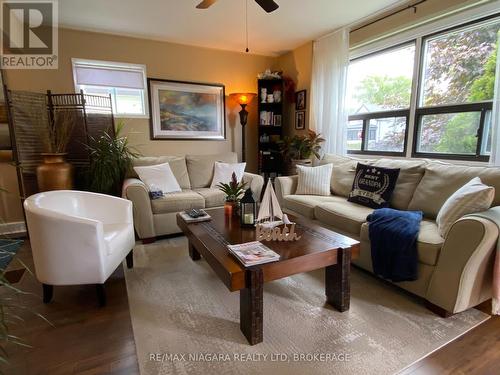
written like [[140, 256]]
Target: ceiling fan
[[268, 5]]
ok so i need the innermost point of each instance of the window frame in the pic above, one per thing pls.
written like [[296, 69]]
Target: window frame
[[416, 112], [116, 65]]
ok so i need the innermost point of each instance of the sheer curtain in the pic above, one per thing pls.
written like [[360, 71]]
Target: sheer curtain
[[328, 114], [495, 119]]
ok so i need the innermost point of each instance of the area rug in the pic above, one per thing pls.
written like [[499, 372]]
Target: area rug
[[185, 321], [8, 249]]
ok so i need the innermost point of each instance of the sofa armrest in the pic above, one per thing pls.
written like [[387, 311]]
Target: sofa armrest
[[463, 274], [136, 191], [284, 186], [254, 182]]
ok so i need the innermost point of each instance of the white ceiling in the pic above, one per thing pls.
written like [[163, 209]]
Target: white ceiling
[[221, 26]]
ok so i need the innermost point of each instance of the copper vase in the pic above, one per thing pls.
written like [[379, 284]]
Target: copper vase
[[55, 173]]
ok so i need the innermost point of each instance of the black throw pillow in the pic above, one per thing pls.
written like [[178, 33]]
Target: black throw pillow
[[373, 186]]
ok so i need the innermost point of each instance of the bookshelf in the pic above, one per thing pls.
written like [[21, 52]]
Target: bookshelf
[[270, 116]]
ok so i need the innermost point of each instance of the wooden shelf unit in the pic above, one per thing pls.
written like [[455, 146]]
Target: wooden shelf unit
[[270, 117]]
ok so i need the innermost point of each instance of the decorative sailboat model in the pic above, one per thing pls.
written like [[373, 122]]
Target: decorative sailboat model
[[270, 214], [270, 217]]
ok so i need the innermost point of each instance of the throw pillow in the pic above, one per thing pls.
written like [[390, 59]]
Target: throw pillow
[[473, 197], [373, 186], [314, 180], [224, 171], [158, 178]]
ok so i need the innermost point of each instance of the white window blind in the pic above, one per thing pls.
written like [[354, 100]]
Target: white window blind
[[125, 83], [91, 74]]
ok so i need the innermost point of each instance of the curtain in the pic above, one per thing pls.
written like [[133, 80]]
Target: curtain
[[328, 114], [495, 118]]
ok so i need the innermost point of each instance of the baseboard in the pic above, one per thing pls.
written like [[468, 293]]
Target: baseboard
[[14, 228]]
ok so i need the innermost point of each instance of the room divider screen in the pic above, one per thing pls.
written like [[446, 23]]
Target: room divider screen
[[29, 116]]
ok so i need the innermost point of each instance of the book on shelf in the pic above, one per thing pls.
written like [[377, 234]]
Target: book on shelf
[[188, 219], [253, 253]]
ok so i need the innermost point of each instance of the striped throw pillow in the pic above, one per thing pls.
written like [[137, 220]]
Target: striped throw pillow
[[314, 180], [473, 197]]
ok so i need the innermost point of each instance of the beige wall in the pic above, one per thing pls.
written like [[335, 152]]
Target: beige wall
[[237, 71], [297, 65]]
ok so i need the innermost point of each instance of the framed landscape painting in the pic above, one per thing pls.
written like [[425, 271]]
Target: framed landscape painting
[[186, 110]]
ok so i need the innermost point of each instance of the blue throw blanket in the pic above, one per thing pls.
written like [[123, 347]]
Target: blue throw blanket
[[393, 236]]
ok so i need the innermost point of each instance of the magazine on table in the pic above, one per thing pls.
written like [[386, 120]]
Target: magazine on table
[[253, 253], [195, 216]]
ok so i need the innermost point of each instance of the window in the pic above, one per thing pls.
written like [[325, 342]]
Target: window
[[446, 103], [124, 82], [379, 92]]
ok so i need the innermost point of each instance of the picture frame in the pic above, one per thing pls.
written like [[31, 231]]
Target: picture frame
[[277, 120], [300, 120], [300, 100], [181, 110]]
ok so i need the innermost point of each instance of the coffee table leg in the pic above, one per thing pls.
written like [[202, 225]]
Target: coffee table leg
[[337, 281], [193, 253], [251, 307]]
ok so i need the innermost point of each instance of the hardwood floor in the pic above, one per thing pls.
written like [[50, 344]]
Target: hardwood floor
[[86, 339]]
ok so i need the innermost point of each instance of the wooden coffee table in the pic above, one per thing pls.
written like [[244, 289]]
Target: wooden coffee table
[[317, 248]]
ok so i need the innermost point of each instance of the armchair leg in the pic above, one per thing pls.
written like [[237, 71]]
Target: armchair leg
[[101, 295], [130, 259], [48, 292]]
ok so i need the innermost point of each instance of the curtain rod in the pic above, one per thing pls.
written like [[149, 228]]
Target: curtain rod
[[412, 6]]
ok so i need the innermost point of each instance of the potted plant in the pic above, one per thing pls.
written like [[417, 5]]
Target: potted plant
[[55, 173], [233, 190], [298, 150], [111, 158]]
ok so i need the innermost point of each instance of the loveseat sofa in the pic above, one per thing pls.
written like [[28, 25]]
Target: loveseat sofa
[[455, 273], [194, 173]]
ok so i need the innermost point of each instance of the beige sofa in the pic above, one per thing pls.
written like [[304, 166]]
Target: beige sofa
[[455, 273], [194, 173]]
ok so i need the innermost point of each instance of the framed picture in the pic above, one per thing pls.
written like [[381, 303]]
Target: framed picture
[[277, 120], [186, 110], [300, 120], [300, 100]]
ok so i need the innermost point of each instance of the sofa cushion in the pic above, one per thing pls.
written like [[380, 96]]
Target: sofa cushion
[[373, 186], [179, 201], [410, 175], [177, 165], [429, 242], [441, 180], [473, 197], [304, 204], [158, 178], [342, 214], [343, 172], [314, 180], [213, 197], [201, 167]]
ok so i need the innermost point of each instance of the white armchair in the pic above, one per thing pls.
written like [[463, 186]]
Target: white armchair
[[78, 238]]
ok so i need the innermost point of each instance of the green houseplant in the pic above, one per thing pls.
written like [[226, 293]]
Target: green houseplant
[[233, 190], [11, 306], [299, 149], [111, 158]]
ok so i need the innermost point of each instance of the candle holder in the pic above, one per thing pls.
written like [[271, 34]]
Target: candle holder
[[248, 210]]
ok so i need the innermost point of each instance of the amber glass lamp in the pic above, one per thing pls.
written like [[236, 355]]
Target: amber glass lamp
[[243, 99]]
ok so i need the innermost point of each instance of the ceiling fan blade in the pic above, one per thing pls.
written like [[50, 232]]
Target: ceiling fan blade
[[268, 5], [205, 4]]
